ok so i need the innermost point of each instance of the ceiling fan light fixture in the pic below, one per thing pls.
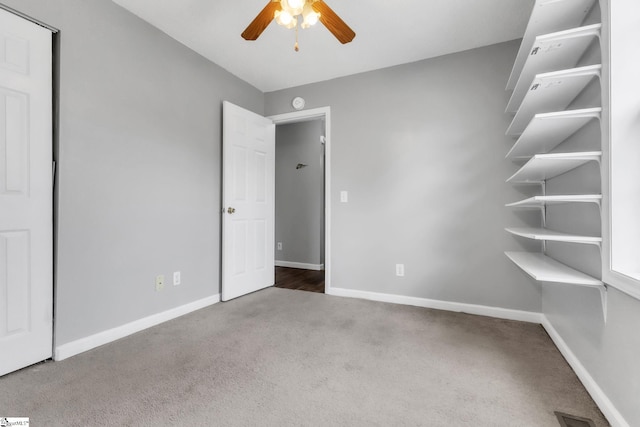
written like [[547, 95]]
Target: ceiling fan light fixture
[[295, 5], [284, 18], [310, 17], [287, 13]]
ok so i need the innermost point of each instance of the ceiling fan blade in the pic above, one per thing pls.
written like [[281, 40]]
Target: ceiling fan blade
[[333, 22], [262, 21]]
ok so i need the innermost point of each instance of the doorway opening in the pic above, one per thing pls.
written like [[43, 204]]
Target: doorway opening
[[301, 188]]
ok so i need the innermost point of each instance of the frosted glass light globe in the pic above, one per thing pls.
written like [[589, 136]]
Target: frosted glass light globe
[[296, 4], [284, 18]]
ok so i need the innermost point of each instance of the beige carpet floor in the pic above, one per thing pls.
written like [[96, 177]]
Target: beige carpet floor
[[291, 358]]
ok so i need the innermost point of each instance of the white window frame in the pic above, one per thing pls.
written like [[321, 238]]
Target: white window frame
[[621, 95]]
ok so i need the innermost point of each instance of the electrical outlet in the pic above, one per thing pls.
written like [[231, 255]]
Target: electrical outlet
[[279, 246], [159, 282], [344, 196], [176, 278], [400, 270]]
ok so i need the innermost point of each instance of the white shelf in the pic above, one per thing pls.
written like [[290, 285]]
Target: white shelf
[[545, 82], [546, 269], [552, 91], [541, 201], [547, 130], [553, 236], [546, 166], [552, 52], [548, 16]]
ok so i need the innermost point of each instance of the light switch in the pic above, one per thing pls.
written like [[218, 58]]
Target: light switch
[[344, 196]]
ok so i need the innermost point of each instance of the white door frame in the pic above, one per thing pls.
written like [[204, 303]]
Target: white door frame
[[303, 116], [54, 30]]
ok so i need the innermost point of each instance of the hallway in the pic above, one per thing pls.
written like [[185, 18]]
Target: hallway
[[299, 279]]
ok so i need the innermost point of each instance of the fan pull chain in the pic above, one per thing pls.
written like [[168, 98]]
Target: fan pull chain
[[295, 46]]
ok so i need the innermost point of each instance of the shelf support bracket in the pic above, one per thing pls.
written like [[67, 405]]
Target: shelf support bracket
[[543, 209], [603, 298]]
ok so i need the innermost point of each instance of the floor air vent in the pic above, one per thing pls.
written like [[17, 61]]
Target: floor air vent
[[567, 420]]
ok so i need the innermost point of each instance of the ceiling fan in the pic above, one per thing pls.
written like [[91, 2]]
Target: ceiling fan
[[288, 12]]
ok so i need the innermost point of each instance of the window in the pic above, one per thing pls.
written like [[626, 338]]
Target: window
[[621, 255]]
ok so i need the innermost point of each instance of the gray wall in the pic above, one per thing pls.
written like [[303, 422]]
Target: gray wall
[[420, 148], [608, 350], [299, 192], [139, 166]]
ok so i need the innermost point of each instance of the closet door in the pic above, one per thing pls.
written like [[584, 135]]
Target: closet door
[[26, 213]]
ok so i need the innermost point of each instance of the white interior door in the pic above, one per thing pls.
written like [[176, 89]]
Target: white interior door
[[248, 194], [26, 212]]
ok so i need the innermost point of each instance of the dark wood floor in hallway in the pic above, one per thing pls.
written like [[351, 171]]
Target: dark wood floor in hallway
[[302, 280]]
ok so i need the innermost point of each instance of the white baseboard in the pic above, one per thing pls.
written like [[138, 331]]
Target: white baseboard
[[79, 346], [482, 310], [614, 417], [302, 265]]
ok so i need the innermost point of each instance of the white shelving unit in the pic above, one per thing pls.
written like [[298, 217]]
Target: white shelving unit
[[542, 201], [546, 166], [546, 269], [545, 80], [552, 91], [553, 236], [556, 51], [548, 16], [547, 130]]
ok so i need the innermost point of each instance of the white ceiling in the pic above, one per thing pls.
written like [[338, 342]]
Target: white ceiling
[[387, 33]]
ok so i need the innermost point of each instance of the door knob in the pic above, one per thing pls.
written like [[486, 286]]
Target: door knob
[[231, 210]]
